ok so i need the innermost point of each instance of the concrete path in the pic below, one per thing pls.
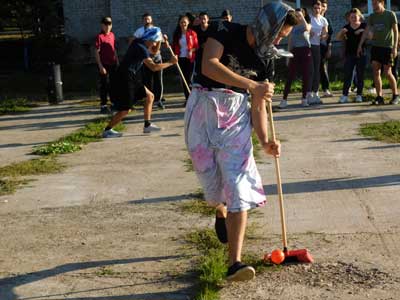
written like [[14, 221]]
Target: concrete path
[[110, 226]]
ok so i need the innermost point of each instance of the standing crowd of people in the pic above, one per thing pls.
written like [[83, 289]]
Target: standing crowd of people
[[229, 65], [311, 44]]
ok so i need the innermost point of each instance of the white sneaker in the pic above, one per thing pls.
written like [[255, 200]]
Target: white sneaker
[[343, 99], [304, 102], [151, 128], [111, 133], [359, 99], [283, 104], [327, 93], [316, 100], [309, 98]]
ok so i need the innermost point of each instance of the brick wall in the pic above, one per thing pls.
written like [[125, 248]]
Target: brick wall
[[82, 17], [336, 11]]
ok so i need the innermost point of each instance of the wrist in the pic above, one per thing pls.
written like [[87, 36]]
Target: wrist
[[251, 85]]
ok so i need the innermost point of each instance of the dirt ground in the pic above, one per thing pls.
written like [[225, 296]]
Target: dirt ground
[[111, 225]]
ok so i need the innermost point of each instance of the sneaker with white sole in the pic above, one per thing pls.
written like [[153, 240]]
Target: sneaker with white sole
[[240, 272], [359, 99], [151, 128], [327, 93], [343, 99], [111, 133], [395, 100], [316, 100], [283, 104], [304, 102]]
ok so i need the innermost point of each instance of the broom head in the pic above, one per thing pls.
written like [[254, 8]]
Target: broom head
[[294, 256]]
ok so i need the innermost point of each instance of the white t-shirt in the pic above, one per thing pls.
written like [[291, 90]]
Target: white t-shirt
[[183, 46], [316, 29]]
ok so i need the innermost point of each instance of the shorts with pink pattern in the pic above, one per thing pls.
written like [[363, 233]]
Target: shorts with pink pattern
[[218, 137]]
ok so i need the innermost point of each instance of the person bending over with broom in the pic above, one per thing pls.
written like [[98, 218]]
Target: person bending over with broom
[[218, 121], [129, 88]]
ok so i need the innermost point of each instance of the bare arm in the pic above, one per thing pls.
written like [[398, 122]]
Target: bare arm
[[98, 61], [324, 33], [395, 39], [365, 35], [158, 67], [260, 91], [341, 36]]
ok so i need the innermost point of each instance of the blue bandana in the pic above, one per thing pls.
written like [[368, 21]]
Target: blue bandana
[[152, 34]]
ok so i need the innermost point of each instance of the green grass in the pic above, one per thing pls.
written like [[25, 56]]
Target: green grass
[[212, 264], [9, 186], [336, 85], [11, 176], [197, 205], [19, 105], [386, 132], [104, 271], [74, 141], [188, 165], [32, 167]]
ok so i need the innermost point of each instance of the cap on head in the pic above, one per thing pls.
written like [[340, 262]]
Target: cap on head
[[267, 26], [106, 20], [226, 13], [152, 34]]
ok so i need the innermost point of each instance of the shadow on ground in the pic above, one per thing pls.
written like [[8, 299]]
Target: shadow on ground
[[7, 285], [334, 184]]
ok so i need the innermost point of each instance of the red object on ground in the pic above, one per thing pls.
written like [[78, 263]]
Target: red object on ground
[[299, 255], [277, 256]]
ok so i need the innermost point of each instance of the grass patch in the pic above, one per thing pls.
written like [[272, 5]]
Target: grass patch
[[9, 186], [74, 141], [386, 132], [259, 264], [336, 85], [10, 176], [11, 106], [32, 167], [212, 265], [188, 165], [104, 271], [197, 205]]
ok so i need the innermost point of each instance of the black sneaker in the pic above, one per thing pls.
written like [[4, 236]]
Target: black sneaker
[[104, 110], [240, 272], [220, 229], [160, 104], [379, 100], [395, 100]]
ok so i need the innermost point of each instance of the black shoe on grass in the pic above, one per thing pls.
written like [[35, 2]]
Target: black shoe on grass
[[220, 229], [240, 272]]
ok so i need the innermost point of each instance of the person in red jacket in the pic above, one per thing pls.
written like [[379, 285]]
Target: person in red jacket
[[185, 45]]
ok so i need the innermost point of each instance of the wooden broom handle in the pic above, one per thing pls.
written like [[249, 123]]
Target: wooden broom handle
[[179, 69], [278, 177]]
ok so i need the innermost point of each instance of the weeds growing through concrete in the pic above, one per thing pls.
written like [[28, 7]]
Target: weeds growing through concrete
[[73, 142], [386, 132], [12, 176], [19, 105]]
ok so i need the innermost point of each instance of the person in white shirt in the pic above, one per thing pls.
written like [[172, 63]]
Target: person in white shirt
[[319, 31], [152, 80]]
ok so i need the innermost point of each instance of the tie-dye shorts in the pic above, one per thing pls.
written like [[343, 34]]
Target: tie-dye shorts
[[218, 137]]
